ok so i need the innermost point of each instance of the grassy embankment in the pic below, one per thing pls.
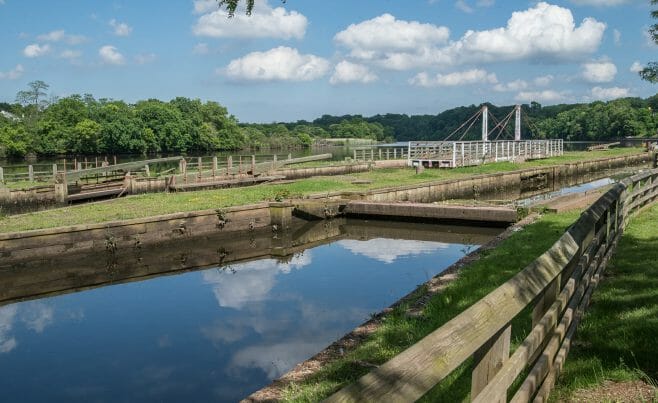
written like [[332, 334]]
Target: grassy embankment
[[165, 203], [399, 330], [617, 339]]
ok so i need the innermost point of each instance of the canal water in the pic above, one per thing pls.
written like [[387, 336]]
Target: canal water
[[215, 334]]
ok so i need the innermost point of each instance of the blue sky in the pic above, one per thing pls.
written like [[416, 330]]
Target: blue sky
[[304, 58]]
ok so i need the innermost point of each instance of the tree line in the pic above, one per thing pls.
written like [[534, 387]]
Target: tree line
[[83, 125]]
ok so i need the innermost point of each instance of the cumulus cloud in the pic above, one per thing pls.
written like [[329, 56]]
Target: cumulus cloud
[[347, 72], [36, 50], [544, 32], [512, 86], [61, 36], [278, 64], [604, 94], [636, 67], [599, 71], [541, 96], [110, 55], [120, 28], [386, 35], [265, 22], [474, 76], [13, 74]]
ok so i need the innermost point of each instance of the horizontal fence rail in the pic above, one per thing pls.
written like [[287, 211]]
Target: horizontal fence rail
[[557, 286]]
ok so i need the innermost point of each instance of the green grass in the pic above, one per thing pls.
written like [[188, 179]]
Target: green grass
[[617, 339], [161, 203], [400, 331]]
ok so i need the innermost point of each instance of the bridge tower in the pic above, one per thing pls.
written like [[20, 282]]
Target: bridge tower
[[485, 123], [517, 126]]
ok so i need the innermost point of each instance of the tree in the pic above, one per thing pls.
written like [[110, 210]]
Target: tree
[[650, 72], [34, 95]]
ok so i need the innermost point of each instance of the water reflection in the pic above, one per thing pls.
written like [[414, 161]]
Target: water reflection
[[216, 334]]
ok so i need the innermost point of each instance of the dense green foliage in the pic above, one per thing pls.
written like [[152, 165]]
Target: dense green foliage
[[84, 125]]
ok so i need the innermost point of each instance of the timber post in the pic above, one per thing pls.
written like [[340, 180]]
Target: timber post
[[61, 188]]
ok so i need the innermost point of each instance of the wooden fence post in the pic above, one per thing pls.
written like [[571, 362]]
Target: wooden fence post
[[30, 173], [214, 166], [147, 170], [54, 172], [253, 165], [229, 164], [489, 359], [2, 174]]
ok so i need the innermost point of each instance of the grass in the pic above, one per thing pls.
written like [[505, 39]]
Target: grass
[[399, 331], [161, 203], [617, 339]]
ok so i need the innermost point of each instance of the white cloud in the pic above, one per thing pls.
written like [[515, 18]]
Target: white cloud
[[14, 74], [204, 6], [7, 315], [265, 22], [201, 49], [347, 72], [475, 76], [110, 55], [385, 34], [37, 315], [541, 96], [600, 3], [604, 94], [120, 28], [389, 250], [70, 54], [544, 32], [250, 282], [512, 86], [145, 58], [36, 50], [543, 81], [599, 71], [61, 36], [636, 67], [278, 64]]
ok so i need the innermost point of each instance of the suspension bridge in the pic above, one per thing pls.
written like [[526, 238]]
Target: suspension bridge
[[497, 144]]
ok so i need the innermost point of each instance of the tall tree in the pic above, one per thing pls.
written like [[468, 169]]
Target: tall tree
[[34, 95], [650, 72]]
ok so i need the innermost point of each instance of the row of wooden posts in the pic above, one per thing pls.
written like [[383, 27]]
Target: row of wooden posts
[[362, 154], [243, 164]]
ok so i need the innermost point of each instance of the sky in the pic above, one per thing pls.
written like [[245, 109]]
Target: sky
[[305, 58]]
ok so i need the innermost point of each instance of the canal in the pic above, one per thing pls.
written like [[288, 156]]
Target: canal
[[215, 333]]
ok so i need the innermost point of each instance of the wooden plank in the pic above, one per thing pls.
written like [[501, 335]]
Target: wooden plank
[[489, 359], [127, 166]]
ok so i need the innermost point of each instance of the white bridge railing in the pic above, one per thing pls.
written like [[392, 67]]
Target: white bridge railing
[[451, 154]]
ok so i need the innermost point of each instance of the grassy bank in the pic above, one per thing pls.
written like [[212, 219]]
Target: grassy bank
[[400, 330], [617, 339], [162, 203]]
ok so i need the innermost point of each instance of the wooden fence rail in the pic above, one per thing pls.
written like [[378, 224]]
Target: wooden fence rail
[[557, 286]]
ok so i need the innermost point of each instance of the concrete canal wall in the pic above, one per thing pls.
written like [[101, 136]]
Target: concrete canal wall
[[279, 216]]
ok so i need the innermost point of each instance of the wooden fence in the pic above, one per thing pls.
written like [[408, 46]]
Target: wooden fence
[[557, 286]]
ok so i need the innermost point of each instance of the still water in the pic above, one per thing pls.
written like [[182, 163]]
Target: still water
[[216, 334]]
